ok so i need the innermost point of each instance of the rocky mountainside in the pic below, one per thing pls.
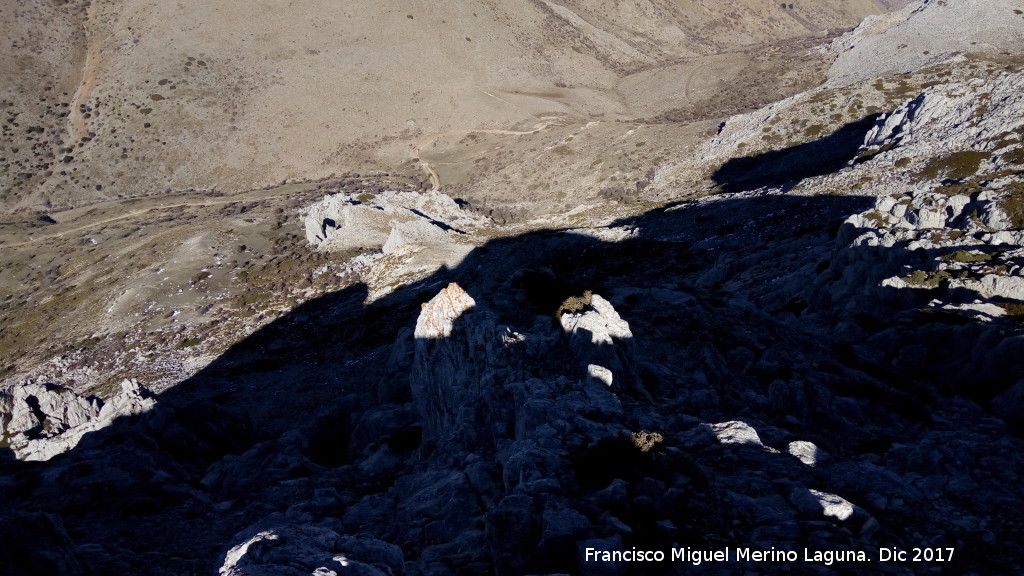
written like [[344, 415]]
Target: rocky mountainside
[[811, 346], [107, 100]]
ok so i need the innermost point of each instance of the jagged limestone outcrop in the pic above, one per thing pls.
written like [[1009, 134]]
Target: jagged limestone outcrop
[[453, 394], [386, 221], [923, 33], [824, 365], [962, 210], [39, 421], [602, 343], [947, 120]]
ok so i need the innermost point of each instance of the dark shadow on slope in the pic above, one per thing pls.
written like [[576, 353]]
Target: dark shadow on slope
[[156, 494], [442, 225], [790, 165]]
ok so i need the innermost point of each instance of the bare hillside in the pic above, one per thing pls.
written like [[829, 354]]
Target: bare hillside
[[131, 98]]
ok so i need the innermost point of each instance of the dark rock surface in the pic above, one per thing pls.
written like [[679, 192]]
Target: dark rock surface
[[780, 368], [726, 387]]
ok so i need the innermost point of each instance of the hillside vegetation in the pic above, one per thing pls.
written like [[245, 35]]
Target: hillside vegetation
[[105, 100]]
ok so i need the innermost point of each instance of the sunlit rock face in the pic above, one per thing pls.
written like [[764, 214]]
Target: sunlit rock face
[[40, 421]]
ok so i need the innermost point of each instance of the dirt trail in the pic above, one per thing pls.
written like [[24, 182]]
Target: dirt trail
[[79, 127], [129, 215], [435, 180], [688, 90]]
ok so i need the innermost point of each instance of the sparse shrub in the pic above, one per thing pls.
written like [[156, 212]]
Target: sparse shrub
[[876, 218], [188, 343], [1013, 309], [647, 441], [928, 280], [814, 131], [200, 276], [617, 193], [965, 256], [1013, 205], [574, 304]]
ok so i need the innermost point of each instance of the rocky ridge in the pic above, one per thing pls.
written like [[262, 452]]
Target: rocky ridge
[[387, 221], [921, 34], [808, 360], [935, 261], [40, 421]]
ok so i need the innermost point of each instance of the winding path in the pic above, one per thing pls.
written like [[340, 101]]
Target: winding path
[[78, 127], [132, 214], [435, 180]]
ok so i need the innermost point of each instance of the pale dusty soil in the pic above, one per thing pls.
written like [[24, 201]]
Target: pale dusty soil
[[222, 98], [160, 149]]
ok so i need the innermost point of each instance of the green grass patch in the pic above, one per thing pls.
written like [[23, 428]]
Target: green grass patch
[[966, 257], [1013, 205], [928, 280], [814, 131], [956, 166]]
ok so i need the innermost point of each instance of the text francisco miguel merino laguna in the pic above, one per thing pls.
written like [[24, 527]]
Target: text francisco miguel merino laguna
[[827, 557]]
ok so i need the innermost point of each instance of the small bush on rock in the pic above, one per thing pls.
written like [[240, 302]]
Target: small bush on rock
[[574, 304]]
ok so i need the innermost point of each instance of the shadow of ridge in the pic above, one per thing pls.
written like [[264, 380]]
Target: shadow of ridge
[[137, 485], [789, 165]]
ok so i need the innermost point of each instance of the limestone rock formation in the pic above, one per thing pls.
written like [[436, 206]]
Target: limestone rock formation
[[386, 221], [923, 33], [450, 390], [975, 115], [825, 362], [439, 314], [39, 421], [960, 232]]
